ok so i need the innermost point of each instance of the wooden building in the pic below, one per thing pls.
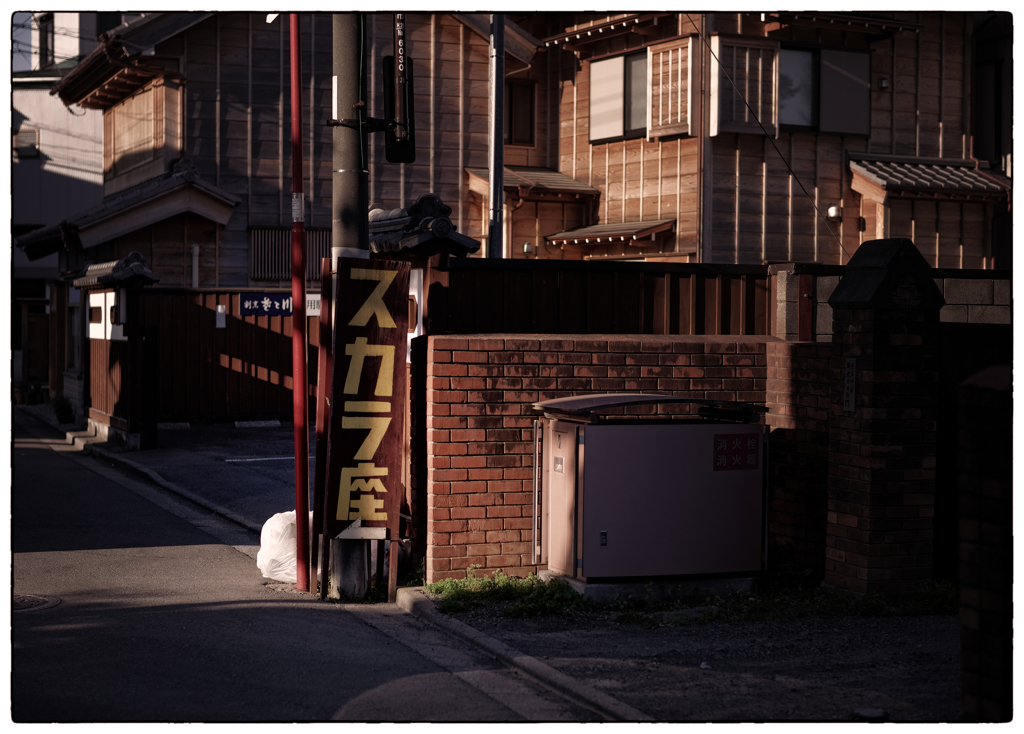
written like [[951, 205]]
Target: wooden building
[[721, 138]]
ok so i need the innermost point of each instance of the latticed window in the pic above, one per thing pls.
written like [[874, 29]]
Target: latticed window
[[133, 130], [270, 252], [26, 143], [669, 71], [744, 85]]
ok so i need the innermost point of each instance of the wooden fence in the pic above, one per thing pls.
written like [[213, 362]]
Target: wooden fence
[[566, 297], [243, 370]]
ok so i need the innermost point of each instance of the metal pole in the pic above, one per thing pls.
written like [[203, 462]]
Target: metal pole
[[350, 198], [496, 136], [300, 382]]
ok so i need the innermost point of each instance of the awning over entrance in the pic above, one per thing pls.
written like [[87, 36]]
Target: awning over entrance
[[877, 177], [633, 233]]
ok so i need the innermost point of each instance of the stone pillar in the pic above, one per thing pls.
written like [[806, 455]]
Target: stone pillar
[[882, 423]]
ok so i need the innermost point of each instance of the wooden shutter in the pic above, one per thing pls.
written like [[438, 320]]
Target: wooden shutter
[[668, 90], [744, 68]]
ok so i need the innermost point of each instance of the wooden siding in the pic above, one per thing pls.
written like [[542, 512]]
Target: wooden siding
[[243, 370]]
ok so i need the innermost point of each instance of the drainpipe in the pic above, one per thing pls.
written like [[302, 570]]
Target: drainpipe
[[496, 137], [195, 266]]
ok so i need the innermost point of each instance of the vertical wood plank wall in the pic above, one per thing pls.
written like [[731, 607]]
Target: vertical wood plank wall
[[243, 370]]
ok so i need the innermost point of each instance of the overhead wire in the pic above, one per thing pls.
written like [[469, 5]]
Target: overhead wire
[[769, 137]]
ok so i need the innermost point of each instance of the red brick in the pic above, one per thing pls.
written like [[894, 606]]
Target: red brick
[[439, 538], [437, 357], [445, 526], [485, 525], [590, 345], [446, 475], [462, 487], [469, 357], [449, 551], [556, 345], [447, 342], [473, 536], [540, 358], [440, 564], [466, 513], [445, 370], [502, 511], [468, 462], [481, 500], [575, 358], [502, 561], [624, 345], [518, 498], [517, 548], [465, 563], [488, 548], [525, 345], [485, 344]]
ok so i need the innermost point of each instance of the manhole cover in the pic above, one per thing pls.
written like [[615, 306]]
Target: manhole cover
[[32, 603]]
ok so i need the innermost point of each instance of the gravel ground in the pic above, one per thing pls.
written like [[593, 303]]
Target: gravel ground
[[843, 669]]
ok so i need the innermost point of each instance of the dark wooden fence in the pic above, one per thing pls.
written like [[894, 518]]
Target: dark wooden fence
[[564, 297], [241, 371]]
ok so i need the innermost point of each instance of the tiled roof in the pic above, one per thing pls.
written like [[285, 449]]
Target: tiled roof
[[617, 232], [928, 177], [541, 180]]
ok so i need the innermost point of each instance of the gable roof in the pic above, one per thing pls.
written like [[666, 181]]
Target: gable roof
[[116, 67], [175, 192]]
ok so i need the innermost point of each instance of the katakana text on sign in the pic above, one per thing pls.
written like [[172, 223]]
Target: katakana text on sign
[[365, 438]]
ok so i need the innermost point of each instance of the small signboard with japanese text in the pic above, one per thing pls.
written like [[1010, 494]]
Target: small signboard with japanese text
[[275, 304], [737, 451], [365, 438]]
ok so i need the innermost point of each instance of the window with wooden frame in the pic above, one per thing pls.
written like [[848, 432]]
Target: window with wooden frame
[[618, 97], [744, 84], [46, 51], [133, 130], [825, 90], [669, 72], [520, 105]]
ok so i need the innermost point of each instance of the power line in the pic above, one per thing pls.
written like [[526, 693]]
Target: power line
[[769, 137]]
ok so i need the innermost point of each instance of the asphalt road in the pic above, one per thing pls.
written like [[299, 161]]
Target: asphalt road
[[163, 616]]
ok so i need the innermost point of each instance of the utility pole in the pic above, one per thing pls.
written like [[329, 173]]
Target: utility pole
[[350, 198], [496, 137]]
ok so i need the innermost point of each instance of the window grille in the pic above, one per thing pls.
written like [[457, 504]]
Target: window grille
[[270, 253], [26, 143]]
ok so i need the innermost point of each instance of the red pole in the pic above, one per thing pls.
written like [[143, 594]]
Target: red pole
[[300, 382]]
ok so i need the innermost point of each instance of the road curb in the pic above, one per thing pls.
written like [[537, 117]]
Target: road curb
[[414, 601], [154, 477]]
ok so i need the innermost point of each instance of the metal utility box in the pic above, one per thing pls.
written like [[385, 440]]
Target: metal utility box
[[626, 497]]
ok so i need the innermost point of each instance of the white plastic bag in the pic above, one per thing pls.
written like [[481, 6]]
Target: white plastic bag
[[276, 556]]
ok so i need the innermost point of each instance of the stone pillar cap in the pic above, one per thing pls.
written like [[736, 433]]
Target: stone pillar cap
[[887, 275]]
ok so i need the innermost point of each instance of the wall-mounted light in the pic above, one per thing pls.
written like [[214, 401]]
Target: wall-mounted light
[[883, 83], [527, 248], [833, 213]]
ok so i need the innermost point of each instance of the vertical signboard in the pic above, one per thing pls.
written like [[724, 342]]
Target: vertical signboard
[[367, 397]]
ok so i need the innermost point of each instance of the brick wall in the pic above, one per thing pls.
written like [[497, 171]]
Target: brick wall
[[881, 484], [986, 545], [474, 425], [797, 395]]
